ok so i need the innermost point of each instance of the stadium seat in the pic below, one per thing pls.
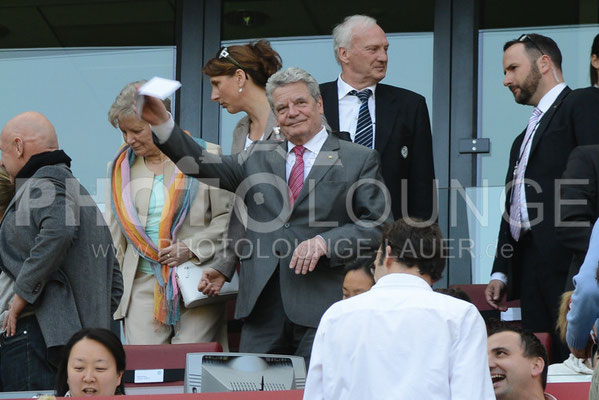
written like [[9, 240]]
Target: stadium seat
[[545, 338]]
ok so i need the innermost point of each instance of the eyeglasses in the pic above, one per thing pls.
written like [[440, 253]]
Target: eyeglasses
[[525, 37], [224, 53]]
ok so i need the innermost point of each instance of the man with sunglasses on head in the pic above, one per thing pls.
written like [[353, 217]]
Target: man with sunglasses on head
[[530, 263]]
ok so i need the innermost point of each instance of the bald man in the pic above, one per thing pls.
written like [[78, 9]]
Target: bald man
[[56, 257]]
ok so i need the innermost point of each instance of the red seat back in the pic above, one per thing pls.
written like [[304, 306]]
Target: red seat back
[[476, 292], [164, 356]]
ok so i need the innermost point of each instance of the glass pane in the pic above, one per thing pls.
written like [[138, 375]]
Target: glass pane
[[74, 88], [484, 208], [315, 55]]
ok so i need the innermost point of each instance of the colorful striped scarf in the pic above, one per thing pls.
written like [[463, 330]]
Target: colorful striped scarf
[[181, 192]]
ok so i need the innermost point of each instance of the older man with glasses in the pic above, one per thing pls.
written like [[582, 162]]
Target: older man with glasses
[[530, 263]]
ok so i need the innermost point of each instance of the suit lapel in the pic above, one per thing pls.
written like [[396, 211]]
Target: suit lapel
[[384, 111], [327, 157], [276, 160], [330, 100], [270, 124], [546, 119]]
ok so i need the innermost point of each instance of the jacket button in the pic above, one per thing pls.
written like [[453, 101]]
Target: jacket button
[[286, 225]]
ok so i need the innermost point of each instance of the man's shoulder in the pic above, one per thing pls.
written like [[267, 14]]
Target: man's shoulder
[[328, 85], [57, 172], [590, 150], [401, 93], [583, 94], [354, 149]]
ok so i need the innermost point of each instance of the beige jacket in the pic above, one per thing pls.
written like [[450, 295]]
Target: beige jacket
[[202, 230]]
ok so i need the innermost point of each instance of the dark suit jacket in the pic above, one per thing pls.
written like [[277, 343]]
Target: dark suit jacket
[[403, 140], [569, 122], [275, 229], [583, 166]]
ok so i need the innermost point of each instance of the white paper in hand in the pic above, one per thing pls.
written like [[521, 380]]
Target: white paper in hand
[[156, 87]]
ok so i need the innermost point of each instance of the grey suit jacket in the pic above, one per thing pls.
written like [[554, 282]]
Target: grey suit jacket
[[235, 228], [58, 250], [342, 170]]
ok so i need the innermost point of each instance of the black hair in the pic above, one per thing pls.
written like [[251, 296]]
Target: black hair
[[362, 263], [455, 292], [595, 51], [416, 244], [536, 45], [102, 336]]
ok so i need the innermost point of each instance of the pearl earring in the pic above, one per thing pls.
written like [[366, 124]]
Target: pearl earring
[[240, 89]]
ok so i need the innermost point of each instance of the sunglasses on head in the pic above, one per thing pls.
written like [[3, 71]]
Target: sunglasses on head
[[525, 37], [224, 54]]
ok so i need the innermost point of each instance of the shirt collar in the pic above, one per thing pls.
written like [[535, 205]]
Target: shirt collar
[[315, 144], [343, 88], [549, 98], [399, 279]]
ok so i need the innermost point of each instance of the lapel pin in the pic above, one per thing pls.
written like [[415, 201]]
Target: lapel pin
[[404, 152], [330, 156]]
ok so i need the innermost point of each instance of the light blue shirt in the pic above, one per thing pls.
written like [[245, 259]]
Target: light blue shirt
[[584, 309]]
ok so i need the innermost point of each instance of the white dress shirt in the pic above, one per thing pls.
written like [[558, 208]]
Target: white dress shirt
[[400, 340], [312, 146], [349, 108], [544, 104]]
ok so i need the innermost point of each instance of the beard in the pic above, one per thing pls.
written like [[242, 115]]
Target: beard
[[529, 86]]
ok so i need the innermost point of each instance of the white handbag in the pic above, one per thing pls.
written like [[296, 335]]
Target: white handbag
[[189, 276]]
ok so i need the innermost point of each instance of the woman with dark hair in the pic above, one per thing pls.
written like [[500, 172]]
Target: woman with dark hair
[[595, 62], [238, 76], [93, 364]]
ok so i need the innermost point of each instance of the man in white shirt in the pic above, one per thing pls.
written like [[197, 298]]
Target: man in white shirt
[[302, 227], [517, 363], [401, 340], [392, 120], [531, 264]]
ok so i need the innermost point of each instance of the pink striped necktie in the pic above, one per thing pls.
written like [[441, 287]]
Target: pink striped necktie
[[296, 177], [515, 212]]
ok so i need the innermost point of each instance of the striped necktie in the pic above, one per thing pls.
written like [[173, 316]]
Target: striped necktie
[[364, 127], [296, 177], [519, 170]]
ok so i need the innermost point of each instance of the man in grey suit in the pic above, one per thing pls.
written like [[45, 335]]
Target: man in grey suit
[[56, 251], [314, 202]]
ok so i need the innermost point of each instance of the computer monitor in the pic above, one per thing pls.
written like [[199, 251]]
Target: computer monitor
[[232, 372]]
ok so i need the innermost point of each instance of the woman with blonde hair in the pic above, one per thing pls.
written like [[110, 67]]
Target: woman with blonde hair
[[160, 219]]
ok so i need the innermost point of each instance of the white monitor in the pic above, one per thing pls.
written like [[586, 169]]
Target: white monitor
[[232, 372]]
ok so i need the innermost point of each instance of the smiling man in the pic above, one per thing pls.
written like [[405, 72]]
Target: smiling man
[[314, 202], [392, 120], [531, 264], [517, 363]]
